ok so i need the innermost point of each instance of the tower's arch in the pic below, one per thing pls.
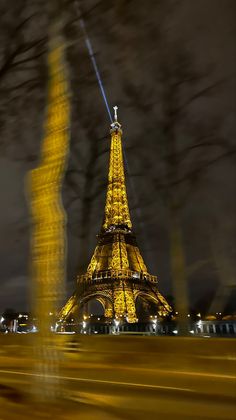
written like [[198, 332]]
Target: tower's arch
[[104, 300], [147, 303]]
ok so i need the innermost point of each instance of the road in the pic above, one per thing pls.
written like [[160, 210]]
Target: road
[[94, 389]]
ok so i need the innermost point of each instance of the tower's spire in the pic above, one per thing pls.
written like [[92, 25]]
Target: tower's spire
[[116, 208], [115, 125], [115, 112]]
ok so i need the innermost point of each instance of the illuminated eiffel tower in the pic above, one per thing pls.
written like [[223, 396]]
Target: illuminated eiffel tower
[[117, 275]]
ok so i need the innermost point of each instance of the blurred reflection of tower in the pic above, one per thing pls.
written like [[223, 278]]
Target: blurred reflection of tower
[[48, 216]]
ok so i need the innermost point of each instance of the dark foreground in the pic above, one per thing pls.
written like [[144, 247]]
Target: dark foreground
[[117, 377]]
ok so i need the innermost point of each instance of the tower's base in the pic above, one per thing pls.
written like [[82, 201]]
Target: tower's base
[[155, 327]]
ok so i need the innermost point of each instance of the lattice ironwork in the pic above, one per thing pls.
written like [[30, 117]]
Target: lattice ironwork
[[116, 274]]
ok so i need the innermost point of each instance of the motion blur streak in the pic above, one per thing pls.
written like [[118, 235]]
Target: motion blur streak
[[48, 236]]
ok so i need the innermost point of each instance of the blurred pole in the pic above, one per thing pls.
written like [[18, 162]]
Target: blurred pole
[[178, 269], [224, 262], [48, 245]]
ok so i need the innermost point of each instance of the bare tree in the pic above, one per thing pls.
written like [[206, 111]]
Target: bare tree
[[22, 67], [186, 147], [189, 148]]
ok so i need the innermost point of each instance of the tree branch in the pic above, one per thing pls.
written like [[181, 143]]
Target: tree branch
[[216, 142], [198, 170], [26, 60], [21, 85], [199, 94]]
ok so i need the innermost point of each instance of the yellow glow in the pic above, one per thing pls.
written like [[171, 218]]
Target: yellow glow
[[116, 208], [116, 257], [48, 216]]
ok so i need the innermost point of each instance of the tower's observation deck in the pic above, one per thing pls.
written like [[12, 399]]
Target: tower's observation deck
[[116, 275]]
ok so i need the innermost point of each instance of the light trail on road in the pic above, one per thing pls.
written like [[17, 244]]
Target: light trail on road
[[183, 372], [99, 381]]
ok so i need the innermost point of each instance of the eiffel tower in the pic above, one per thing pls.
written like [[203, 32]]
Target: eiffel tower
[[116, 275]]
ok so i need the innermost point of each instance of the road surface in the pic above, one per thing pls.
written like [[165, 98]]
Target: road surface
[[105, 390]]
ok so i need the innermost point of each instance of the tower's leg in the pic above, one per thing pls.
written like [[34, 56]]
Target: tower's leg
[[67, 308], [108, 310], [124, 304], [119, 301], [130, 306]]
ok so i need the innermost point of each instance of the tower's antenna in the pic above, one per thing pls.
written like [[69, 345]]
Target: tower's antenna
[[115, 112]]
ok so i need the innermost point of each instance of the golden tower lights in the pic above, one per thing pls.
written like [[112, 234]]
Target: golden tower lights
[[116, 275]]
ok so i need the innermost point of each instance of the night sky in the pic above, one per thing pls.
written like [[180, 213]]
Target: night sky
[[140, 47]]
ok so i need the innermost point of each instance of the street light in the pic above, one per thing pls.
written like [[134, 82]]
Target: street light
[[154, 322], [117, 323]]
